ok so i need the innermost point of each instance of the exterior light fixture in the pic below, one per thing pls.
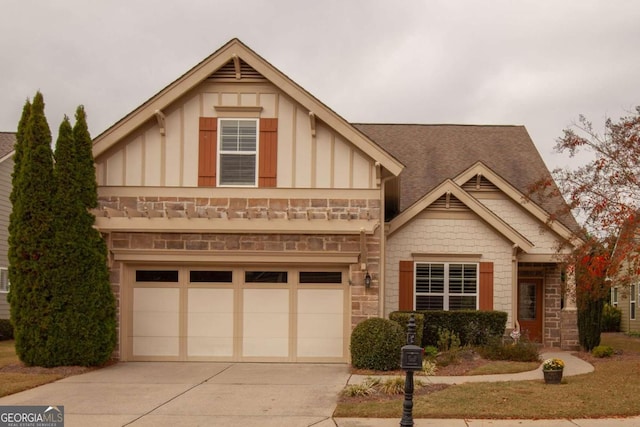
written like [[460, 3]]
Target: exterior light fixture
[[367, 280]]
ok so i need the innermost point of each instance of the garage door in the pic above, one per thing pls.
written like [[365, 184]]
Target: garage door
[[236, 314]]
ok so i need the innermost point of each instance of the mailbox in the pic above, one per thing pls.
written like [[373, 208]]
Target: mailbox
[[411, 359]]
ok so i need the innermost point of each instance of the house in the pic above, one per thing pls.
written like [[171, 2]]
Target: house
[[7, 142], [462, 233], [625, 298], [247, 221]]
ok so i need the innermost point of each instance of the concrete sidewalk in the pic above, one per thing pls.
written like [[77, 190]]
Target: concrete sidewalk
[[377, 422], [573, 366]]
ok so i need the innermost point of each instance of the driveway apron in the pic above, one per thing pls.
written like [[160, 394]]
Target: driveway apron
[[143, 394]]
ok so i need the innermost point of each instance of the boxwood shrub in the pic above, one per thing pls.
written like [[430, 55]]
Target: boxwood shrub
[[376, 344], [473, 327]]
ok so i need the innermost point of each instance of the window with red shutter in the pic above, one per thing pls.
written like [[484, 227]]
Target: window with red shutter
[[237, 152], [445, 286]]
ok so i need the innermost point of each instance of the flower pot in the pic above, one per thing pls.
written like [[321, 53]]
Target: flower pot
[[552, 376]]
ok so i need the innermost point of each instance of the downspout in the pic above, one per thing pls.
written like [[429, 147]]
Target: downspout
[[514, 287]]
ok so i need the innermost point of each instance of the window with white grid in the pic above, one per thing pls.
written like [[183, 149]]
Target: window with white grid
[[446, 286], [238, 149]]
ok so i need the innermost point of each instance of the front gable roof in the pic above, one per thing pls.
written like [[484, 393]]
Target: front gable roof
[[232, 51], [434, 153], [449, 187], [482, 170]]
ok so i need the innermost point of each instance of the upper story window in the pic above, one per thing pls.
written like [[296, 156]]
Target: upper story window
[[238, 150]]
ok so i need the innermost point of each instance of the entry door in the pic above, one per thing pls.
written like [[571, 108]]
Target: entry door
[[530, 308]]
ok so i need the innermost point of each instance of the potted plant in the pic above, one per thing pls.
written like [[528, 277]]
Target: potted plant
[[552, 370]]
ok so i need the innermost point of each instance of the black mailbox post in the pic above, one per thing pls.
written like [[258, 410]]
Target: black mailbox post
[[410, 361]]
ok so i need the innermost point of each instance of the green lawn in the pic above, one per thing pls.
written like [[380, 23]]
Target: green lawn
[[612, 390], [16, 380]]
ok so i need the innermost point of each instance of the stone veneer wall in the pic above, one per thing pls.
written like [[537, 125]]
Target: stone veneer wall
[[551, 333], [364, 302], [244, 208]]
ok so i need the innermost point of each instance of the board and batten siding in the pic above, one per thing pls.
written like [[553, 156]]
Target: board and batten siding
[[6, 168], [150, 159]]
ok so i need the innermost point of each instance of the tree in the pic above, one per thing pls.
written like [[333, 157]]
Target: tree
[[62, 306], [84, 317], [30, 234], [605, 194]]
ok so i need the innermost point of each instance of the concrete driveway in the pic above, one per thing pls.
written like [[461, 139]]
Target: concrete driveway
[[144, 394]]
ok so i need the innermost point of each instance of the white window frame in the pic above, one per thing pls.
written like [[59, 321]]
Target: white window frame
[[221, 152], [633, 295], [4, 279], [446, 294], [614, 296]]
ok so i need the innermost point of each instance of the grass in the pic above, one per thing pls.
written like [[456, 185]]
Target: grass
[[14, 382], [611, 391], [504, 367]]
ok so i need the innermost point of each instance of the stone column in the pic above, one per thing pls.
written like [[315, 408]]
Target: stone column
[[569, 318]]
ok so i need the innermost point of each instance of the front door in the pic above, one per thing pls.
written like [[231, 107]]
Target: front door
[[530, 308]]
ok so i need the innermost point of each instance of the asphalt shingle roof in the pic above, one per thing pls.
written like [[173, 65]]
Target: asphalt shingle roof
[[434, 153], [7, 141]]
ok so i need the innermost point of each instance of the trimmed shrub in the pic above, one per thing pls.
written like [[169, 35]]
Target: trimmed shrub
[[473, 327], [6, 329], [402, 317], [602, 351], [611, 318], [376, 344], [521, 351]]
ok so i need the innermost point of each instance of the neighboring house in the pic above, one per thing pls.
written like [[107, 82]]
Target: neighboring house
[[626, 299], [245, 221], [7, 142]]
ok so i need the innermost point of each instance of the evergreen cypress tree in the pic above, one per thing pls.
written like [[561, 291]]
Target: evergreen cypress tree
[[31, 236], [15, 272], [84, 328]]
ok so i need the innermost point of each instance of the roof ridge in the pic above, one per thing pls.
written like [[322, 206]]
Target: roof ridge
[[437, 124]]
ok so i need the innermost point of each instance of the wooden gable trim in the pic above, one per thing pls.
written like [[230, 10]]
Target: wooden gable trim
[[503, 185], [204, 69], [482, 211]]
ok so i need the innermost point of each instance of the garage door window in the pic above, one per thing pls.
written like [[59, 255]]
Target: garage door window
[[157, 276], [210, 276], [266, 277], [320, 277]]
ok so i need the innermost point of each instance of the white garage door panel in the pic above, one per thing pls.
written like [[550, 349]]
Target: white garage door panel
[[265, 323], [210, 322], [155, 322], [320, 323]]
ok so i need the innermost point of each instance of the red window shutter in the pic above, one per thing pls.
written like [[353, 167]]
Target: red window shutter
[[207, 154], [405, 282], [268, 162], [486, 286]]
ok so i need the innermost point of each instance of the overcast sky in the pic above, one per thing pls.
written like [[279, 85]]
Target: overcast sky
[[535, 63]]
